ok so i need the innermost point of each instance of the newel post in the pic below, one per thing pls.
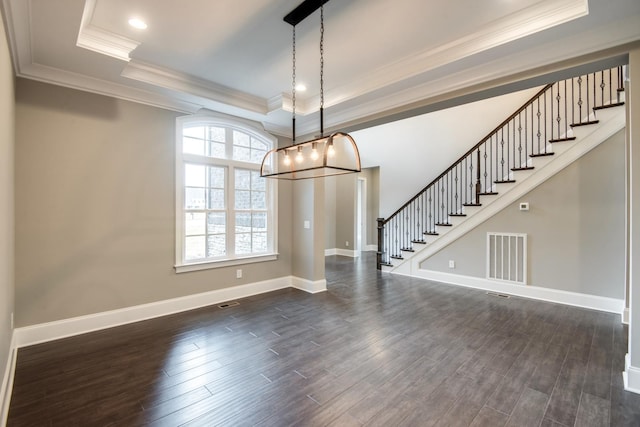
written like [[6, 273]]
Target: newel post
[[380, 236]]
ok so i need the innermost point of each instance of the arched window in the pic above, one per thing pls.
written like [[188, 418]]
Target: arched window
[[225, 212]]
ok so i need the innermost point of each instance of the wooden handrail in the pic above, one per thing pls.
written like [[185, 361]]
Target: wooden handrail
[[474, 148]]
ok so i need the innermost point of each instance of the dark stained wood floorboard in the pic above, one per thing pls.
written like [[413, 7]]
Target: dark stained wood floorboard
[[375, 349]]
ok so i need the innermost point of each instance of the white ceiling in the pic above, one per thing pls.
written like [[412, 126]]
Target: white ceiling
[[235, 56]]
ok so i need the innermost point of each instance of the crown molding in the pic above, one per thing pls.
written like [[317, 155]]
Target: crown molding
[[82, 82], [185, 83], [100, 40]]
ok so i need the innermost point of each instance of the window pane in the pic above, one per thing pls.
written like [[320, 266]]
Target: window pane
[[216, 245], [216, 223], [258, 183], [194, 198], [241, 139], [243, 222], [216, 177], [194, 223], [258, 200], [217, 134], [241, 153], [259, 145], [259, 242], [216, 199], [194, 175], [194, 248], [243, 243], [217, 150], [243, 200], [243, 179], [259, 221], [194, 132], [257, 156], [193, 146]]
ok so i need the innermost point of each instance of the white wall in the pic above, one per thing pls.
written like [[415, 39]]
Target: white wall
[[412, 152]]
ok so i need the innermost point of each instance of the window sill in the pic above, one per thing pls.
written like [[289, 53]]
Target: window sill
[[185, 268]]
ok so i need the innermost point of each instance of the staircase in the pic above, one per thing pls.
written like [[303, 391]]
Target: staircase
[[560, 123]]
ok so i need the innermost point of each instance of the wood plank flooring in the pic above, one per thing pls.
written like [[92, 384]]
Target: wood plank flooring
[[374, 350]]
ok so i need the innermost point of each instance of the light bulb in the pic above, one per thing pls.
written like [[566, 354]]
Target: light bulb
[[314, 152], [299, 157], [287, 160], [331, 151]]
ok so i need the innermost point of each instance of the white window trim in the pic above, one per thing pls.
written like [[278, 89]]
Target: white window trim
[[216, 119]]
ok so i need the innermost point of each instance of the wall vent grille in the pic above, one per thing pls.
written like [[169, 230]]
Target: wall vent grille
[[507, 257]]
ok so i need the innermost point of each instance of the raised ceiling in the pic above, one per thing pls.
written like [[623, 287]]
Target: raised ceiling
[[235, 56]]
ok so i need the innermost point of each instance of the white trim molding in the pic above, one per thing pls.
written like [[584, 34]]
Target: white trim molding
[[50, 331], [631, 376], [313, 287], [7, 381], [342, 252], [371, 248], [625, 316], [593, 302]]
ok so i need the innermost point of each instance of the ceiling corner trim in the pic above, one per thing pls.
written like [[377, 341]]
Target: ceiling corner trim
[[185, 83], [99, 40], [18, 28]]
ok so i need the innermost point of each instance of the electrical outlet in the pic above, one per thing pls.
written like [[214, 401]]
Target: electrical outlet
[[239, 273], [347, 243], [452, 264]]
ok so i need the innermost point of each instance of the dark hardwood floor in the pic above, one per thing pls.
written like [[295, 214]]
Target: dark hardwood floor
[[373, 350]]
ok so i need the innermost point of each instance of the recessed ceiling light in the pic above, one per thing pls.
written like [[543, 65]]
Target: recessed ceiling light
[[138, 23], [301, 87]]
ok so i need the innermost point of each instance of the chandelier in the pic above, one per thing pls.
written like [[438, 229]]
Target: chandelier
[[335, 154]]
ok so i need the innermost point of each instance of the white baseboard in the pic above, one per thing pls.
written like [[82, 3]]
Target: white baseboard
[[308, 285], [625, 316], [341, 252], [371, 248], [535, 292], [7, 382], [631, 376], [50, 331]]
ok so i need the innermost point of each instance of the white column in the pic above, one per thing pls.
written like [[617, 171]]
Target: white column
[[632, 365]]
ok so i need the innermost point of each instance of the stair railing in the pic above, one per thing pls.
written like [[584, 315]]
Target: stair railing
[[548, 117]]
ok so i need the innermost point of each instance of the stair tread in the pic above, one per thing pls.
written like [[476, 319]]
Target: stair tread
[[524, 168], [542, 154], [591, 122], [472, 204], [488, 193], [407, 249], [430, 233], [395, 257], [444, 224], [420, 242], [505, 181], [571, 138], [457, 214], [615, 104]]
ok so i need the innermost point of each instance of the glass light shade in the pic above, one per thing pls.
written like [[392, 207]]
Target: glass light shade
[[345, 158]]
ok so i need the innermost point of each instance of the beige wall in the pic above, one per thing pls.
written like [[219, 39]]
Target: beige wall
[[330, 212], [575, 228], [6, 200], [308, 243], [95, 208], [372, 176], [340, 209]]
